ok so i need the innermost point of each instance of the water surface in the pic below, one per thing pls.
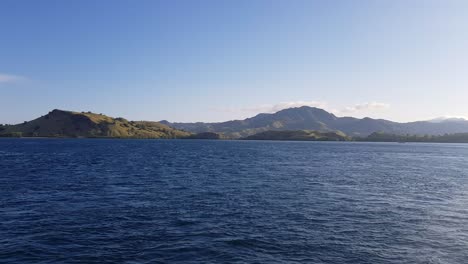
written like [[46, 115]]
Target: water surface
[[189, 201]]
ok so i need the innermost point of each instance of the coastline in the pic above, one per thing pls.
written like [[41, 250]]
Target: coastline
[[239, 139]]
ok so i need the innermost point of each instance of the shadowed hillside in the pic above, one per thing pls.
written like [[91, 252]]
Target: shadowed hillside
[[59, 123], [206, 135], [299, 135], [447, 138]]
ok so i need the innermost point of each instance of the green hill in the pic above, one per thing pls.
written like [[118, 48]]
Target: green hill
[[59, 123], [299, 135]]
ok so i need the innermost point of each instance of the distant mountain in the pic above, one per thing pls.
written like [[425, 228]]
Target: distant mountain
[[311, 118], [448, 119], [59, 123], [299, 135]]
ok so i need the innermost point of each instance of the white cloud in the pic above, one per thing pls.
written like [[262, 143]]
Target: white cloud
[[9, 78], [364, 107]]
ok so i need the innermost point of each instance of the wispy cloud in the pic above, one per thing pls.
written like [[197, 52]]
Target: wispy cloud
[[363, 107], [10, 78]]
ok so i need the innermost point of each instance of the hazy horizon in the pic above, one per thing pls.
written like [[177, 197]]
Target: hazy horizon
[[215, 61]]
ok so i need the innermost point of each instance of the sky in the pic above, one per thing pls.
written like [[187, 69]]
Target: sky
[[222, 60]]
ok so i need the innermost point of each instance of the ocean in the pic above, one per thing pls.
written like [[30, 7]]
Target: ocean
[[202, 201]]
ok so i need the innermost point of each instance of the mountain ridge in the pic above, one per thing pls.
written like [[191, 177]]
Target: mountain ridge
[[61, 123], [312, 118]]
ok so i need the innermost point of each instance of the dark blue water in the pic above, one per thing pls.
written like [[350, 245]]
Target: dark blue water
[[150, 201]]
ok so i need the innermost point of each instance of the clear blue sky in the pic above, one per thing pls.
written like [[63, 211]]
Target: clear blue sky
[[220, 60]]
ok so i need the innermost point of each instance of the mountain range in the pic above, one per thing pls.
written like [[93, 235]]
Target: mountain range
[[302, 123], [311, 118]]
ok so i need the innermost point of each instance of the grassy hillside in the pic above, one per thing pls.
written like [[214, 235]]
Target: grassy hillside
[[299, 135], [59, 123]]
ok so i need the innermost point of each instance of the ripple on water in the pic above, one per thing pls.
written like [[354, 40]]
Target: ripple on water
[[147, 201]]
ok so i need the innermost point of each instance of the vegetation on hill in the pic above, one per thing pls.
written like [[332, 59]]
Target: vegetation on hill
[[299, 135], [446, 138], [306, 135], [206, 135], [59, 123]]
